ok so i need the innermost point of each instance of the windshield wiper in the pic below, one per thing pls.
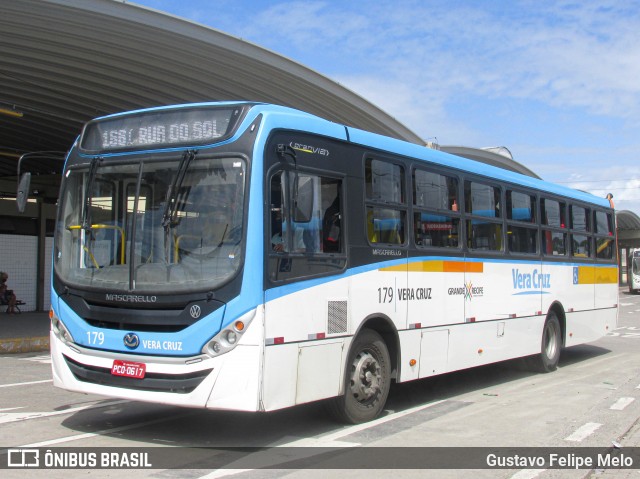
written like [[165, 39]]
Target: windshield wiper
[[172, 192], [172, 197]]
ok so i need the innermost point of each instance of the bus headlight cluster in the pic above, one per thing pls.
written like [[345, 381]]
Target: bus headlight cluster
[[228, 338], [59, 329]]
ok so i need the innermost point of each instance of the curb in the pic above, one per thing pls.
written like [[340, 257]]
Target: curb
[[24, 345]]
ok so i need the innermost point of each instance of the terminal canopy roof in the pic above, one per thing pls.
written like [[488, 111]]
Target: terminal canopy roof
[[63, 62]]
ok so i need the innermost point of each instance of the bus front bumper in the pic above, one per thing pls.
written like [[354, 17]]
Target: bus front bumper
[[230, 381]]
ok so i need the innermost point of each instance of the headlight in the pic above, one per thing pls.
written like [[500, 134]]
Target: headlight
[[59, 329], [228, 338]]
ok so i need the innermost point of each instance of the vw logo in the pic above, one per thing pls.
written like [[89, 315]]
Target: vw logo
[[131, 340], [195, 311]]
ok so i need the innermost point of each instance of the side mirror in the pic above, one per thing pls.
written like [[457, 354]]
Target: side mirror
[[303, 199], [22, 194]]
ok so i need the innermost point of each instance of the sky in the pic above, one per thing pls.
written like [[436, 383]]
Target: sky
[[556, 82]]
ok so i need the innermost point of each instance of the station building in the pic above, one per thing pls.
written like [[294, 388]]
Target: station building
[[64, 62]]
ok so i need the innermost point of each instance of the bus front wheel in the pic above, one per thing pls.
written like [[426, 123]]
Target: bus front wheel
[[550, 346], [367, 381]]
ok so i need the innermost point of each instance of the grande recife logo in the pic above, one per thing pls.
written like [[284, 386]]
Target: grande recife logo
[[469, 291]]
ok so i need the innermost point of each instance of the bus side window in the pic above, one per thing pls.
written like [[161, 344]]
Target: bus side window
[[554, 239], [435, 218], [522, 231], [605, 244], [580, 226], [385, 208], [310, 246], [482, 202]]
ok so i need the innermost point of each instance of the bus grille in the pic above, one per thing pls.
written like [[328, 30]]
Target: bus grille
[[156, 382], [161, 318], [337, 317]]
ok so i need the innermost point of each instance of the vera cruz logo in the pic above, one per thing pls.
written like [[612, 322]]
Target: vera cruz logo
[[533, 282]]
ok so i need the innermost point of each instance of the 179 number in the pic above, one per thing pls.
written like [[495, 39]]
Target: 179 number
[[385, 295], [95, 337]]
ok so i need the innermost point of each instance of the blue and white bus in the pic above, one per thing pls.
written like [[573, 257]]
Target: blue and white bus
[[245, 256]]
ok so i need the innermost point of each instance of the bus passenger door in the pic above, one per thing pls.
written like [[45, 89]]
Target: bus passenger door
[[306, 300]]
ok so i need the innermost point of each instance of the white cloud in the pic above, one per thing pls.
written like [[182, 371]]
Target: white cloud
[[567, 55], [623, 183]]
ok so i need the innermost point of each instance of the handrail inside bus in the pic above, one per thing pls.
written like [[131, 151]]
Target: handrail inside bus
[[106, 227], [176, 255]]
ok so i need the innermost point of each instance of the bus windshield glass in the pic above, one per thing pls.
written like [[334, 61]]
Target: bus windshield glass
[[153, 225]]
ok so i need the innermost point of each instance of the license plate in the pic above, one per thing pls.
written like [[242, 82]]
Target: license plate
[[128, 369]]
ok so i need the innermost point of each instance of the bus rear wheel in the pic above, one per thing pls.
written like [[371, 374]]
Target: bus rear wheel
[[367, 381], [547, 360]]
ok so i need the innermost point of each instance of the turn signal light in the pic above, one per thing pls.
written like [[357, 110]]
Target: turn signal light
[[228, 338]]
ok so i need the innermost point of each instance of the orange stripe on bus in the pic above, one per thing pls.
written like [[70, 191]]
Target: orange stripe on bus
[[463, 267], [475, 267], [437, 266], [401, 268], [426, 267], [454, 267]]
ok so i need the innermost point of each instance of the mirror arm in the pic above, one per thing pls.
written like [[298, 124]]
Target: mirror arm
[[286, 152], [24, 179]]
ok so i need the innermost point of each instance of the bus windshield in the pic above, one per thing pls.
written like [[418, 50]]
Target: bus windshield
[[151, 225]]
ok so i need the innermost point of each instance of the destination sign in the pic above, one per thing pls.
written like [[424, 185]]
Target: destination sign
[[160, 129]]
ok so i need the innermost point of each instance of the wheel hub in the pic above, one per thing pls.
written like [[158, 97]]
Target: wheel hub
[[366, 377]]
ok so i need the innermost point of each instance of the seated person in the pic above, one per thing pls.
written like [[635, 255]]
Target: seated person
[[6, 295]]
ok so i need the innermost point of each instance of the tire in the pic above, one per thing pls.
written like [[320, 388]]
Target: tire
[[367, 380], [551, 344]]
